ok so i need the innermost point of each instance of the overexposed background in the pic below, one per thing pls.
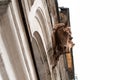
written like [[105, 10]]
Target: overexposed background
[[96, 31]]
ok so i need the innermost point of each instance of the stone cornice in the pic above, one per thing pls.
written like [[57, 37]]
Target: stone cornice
[[4, 2], [3, 5]]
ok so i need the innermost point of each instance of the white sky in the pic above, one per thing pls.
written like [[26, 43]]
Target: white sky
[[96, 31]]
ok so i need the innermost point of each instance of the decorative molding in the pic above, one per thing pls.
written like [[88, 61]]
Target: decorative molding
[[3, 5], [4, 2], [2, 69], [40, 57]]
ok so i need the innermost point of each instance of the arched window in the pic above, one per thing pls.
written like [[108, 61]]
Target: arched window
[[40, 18], [40, 57]]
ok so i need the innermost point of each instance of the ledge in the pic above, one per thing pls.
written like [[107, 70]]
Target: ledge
[[4, 2], [3, 5]]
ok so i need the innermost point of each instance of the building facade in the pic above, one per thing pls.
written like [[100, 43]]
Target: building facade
[[35, 41]]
